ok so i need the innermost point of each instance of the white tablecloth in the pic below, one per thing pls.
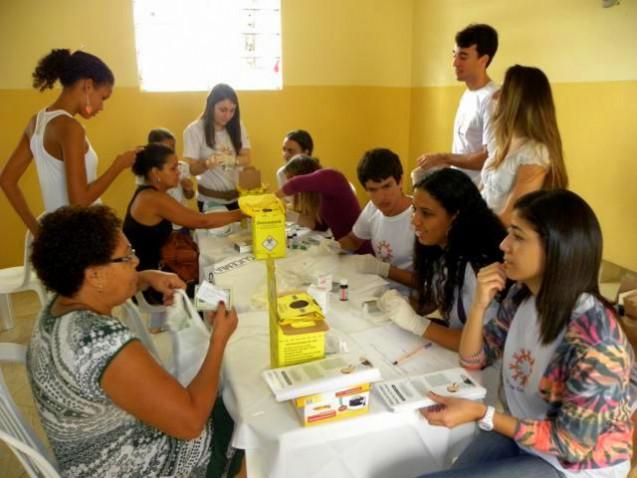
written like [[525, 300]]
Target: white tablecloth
[[378, 444]]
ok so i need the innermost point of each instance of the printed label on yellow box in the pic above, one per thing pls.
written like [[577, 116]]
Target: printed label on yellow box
[[268, 224], [334, 405]]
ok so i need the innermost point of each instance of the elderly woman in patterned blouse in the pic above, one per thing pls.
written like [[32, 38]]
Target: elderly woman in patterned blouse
[[108, 408]]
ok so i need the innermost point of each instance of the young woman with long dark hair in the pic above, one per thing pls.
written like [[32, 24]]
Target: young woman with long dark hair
[[565, 359], [456, 235], [216, 146]]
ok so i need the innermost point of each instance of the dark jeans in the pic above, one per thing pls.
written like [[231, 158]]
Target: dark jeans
[[491, 455], [224, 458]]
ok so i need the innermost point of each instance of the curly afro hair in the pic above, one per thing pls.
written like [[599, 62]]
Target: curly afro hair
[[71, 239]]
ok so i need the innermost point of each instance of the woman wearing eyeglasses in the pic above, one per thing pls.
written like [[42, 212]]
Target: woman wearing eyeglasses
[[107, 407]]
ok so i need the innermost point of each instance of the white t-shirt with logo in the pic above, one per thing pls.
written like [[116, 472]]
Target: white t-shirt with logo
[[392, 237], [524, 362], [223, 177], [472, 125]]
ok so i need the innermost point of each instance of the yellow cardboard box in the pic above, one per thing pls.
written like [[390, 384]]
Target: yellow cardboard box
[[332, 406], [293, 338], [268, 224]]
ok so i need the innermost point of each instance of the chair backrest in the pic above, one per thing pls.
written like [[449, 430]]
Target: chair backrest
[[14, 430], [27, 281]]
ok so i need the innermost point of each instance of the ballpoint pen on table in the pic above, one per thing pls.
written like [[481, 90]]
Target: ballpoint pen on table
[[409, 355]]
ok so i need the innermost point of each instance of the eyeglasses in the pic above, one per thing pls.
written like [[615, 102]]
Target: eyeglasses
[[130, 257]]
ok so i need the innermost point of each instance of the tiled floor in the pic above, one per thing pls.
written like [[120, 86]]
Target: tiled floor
[[26, 308]]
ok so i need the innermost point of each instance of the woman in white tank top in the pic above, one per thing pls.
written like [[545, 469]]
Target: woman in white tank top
[[65, 161]]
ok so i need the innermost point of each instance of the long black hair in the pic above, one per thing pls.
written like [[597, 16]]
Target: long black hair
[[219, 93], [572, 241], [474, 237]]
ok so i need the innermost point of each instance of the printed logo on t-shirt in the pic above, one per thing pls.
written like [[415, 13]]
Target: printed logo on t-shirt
[[522, 367], [384, 251]]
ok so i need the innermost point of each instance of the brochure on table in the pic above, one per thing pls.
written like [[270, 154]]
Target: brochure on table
[[336, 372], [410, 393]]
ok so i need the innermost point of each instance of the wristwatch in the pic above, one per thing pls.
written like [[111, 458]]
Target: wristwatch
[[486, 422]]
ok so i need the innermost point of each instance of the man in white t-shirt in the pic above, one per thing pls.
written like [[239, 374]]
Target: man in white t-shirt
[[476, 46], [386, 219]]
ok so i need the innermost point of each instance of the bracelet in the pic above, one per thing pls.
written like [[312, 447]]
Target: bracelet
[[473, 360]]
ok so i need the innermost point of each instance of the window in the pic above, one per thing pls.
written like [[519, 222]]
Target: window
[[191, 45]]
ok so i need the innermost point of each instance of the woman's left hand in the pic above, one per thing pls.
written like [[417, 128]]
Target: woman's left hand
[[164, 282], [451, 412]]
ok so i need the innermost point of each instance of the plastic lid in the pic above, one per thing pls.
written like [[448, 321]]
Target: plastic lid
[[343, 282]]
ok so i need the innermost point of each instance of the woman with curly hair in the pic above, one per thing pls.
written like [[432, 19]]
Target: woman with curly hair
[[65, 160], [456, 235], [106, 405], [152, 212]]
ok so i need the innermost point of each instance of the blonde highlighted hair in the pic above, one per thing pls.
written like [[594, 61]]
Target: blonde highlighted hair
[[526, 109], [307, 203]]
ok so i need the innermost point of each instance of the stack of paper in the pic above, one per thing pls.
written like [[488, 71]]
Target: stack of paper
[[336, 372]]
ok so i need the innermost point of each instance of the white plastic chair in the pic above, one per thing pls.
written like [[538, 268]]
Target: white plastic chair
[[14, 430], [18, 279]]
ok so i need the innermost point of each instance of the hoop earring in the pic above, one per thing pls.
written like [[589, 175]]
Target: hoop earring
[[88, 108]]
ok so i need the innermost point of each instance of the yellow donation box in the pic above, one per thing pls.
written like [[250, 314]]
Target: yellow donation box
[[297, 326], [268, 224]]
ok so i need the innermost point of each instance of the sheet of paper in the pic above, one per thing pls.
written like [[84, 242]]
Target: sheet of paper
[[390, 342], [211, 294], [410, 393], [318, 376]]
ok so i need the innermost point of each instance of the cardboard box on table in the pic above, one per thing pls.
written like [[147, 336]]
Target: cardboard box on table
[[268, 224], [334, 405], [297, 325], [325, 390]]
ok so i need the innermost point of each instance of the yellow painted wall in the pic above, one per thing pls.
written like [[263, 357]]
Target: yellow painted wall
[[357, 74], [346, 67], [587, 53]]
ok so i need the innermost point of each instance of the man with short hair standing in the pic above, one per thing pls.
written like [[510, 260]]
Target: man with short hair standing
[[476, 46]]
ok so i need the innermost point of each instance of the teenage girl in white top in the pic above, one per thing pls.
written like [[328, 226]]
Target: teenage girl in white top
[[529, 148], [216, 146], [65, 161]]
